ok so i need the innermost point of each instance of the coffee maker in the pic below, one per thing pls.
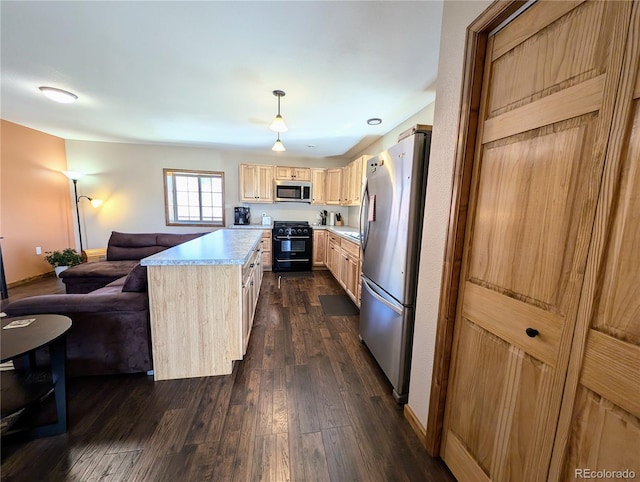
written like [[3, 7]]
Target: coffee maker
[[242, 215]]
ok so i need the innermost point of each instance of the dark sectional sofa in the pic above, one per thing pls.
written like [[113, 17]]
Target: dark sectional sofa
[[124, 250], [111, 330]]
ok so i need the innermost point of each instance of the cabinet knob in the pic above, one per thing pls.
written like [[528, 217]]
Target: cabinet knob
[[251, 283], [532, 332]]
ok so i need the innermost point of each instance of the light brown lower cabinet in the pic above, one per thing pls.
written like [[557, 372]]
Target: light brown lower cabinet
[[267, 259], [343, 260], [319, 247], [201, 316]]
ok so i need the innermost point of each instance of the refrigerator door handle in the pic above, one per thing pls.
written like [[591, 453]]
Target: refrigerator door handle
[[387, 303], [364, 229]]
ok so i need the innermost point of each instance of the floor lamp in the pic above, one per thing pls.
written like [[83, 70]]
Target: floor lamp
[[74, 176]]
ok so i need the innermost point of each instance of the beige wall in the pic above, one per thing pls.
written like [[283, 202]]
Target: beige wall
[[35, 201], [455, 18], [425, 116], [128, 178]]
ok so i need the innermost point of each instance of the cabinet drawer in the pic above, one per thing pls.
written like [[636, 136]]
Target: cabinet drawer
[[350, 247], [335, 239]]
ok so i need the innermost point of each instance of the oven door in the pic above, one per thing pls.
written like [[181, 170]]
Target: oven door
[[291, 253]]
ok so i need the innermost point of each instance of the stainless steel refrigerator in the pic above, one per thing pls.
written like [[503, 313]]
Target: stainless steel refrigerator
[[391, 217]]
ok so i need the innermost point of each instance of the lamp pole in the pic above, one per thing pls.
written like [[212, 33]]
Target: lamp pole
[[75, 191]]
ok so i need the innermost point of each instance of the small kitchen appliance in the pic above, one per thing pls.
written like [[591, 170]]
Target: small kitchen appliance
[[242, 215], [292, 191]]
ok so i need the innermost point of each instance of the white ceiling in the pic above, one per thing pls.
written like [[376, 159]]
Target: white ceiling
[[201, 73]]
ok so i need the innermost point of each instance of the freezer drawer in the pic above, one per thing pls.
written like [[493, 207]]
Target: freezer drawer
[[386, 327]]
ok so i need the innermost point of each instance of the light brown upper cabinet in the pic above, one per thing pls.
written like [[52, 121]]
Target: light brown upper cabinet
[[318, 186], [544, 378], [353, 176], [333, 186], [288, 173], [256, 183]]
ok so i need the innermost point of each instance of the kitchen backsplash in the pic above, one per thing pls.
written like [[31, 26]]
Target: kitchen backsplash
[[294, 212]]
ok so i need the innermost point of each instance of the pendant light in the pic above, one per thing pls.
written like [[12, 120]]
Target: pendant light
[[278, 146], [278, 124]]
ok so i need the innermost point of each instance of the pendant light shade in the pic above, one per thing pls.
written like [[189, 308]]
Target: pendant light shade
[[278, 124], [278, 146]]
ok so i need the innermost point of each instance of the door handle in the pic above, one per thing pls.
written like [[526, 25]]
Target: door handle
[[532, 332], [380, 298]]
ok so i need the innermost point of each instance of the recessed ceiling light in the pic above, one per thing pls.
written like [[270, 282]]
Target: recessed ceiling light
[[374, 121], [311, 146], [58, 95]]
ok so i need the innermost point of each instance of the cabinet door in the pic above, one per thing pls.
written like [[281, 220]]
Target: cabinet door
[[333, 258], [247, 309], [345, 186], [264, 180], [256, 183], [302, 174], [319, 247], [349, 273], [288, 173], [266, 250], [333, 185], [356, 181], [249, 191], [318, 186]]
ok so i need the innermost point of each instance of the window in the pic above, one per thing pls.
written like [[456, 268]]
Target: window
[[194, 198]]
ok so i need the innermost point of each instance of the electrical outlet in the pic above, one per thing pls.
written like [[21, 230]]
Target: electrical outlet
[[38, 250]]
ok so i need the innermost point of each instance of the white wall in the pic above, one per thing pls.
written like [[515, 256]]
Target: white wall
[[456, 16], [128, 178]]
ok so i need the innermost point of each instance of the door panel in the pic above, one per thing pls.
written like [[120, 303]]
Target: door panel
[[525, 227], [546, 111], [605, 418], [568, 51], [605, 437]]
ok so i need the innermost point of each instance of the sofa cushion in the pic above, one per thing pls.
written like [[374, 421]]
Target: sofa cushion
[[136, 280], [169, 239]]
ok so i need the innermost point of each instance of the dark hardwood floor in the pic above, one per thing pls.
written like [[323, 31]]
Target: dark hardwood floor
[[308, 403]]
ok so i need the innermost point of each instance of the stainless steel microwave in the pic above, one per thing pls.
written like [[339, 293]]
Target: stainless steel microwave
[[292, 191]]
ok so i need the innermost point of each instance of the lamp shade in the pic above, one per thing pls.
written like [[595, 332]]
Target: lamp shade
[[73, 175], [278, 124], [278, 146]]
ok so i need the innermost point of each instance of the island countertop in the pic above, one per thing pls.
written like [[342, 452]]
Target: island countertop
[[221, 247]]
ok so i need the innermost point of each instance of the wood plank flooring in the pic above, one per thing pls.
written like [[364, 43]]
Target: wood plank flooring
[[308, 403]]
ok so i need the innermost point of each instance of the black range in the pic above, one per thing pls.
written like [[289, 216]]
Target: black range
[[292, 246]]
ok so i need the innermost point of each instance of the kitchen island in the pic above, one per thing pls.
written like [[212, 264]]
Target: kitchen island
[[202, 297]]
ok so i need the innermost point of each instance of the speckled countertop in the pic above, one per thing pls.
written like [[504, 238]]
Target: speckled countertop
[[224, 246]]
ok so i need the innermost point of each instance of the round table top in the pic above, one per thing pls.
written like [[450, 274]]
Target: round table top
[[43, 330]]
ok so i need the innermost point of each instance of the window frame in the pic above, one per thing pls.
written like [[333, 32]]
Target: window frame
[[172, 172]]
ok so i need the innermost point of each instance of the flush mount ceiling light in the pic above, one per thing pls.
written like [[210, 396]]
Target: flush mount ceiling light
[[278, 146], [58, 95], [278, 124], [374, 121]]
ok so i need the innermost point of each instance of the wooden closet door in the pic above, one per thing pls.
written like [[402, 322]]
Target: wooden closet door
[[599, 427], [547, 106]]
